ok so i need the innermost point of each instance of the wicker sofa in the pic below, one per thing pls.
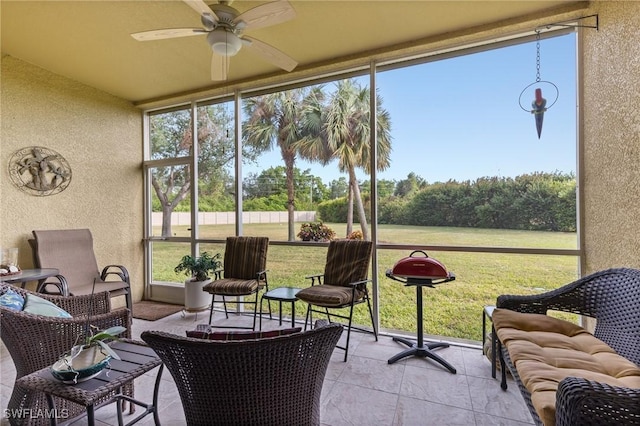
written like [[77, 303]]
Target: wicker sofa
[[567, 375]]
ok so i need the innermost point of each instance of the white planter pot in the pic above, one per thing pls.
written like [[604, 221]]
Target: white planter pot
[[194, 298]]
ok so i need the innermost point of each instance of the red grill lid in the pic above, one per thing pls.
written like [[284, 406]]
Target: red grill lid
[[420, 267]]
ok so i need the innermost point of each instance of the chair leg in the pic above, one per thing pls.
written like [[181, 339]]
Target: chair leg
[[224, 303], [307, 316], [346, 347], [373, 324], [503, 368], [328, 314], [213, 299], [128, 299], [255, 311]]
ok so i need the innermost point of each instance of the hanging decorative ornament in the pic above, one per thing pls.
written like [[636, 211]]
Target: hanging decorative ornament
[[539, 103]]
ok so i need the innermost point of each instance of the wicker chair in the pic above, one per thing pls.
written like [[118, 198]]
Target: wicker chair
[[269, 381], [245, 274], [36, 342], [612, 297], [71, 251], [343, 284]]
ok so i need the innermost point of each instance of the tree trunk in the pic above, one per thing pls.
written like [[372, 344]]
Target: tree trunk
[[167, 209], [289, 160], [358, 200], [349, 209]]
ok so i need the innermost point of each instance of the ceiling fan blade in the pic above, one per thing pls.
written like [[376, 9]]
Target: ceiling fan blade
[[270, 53], [219, 67], [266, 15], [202, 8], [167, 33]]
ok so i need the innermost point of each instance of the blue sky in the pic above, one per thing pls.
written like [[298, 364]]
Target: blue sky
[[460, 118]]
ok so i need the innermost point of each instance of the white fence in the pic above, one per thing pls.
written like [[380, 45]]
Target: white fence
[[228, 218]]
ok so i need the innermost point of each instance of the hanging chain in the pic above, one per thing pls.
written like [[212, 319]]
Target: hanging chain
[[537, 56]]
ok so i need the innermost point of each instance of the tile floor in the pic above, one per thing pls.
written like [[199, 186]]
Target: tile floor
[[366, 390]]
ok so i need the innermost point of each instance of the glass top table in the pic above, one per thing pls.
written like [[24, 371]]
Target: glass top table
[[281, 294], [29, 275]]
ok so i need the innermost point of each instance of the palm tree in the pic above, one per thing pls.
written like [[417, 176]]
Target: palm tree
[[345, 136], [281, 119]]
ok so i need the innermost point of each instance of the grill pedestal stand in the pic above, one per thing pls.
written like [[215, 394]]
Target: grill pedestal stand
[[419, 349]]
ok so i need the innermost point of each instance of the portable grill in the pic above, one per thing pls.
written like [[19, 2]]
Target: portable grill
[[420, 271]]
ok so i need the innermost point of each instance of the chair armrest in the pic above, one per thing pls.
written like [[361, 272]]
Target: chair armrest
[[572, 297], [59, 281], [313, 278], [118, 270], [581, 401], [357, 283], [121, 317], [533, 304], [39, 340], [97, 303]]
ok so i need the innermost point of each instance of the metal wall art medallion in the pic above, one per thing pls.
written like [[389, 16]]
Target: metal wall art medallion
[[39, 171]]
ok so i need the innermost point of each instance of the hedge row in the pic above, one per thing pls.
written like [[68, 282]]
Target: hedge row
[[539, 201]]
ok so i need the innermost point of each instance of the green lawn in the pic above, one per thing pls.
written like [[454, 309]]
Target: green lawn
[[453, 309]]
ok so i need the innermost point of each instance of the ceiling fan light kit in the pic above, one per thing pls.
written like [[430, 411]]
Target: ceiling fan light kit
[[223, 42], [224, 27]]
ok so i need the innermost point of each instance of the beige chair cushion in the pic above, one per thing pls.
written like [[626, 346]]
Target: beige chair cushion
[[546, 350]]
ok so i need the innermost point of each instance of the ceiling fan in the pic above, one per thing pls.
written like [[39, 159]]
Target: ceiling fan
[[224, 27]]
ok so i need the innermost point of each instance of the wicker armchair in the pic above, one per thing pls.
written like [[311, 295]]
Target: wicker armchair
[[612, 297], [36, 341], [269, 381]]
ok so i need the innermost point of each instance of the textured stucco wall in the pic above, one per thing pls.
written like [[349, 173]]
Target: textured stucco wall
[[611, 107], [100, 137]]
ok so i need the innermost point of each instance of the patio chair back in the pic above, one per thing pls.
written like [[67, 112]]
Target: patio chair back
[[71, 252], [347, 262], [268, 381], [244, 257]]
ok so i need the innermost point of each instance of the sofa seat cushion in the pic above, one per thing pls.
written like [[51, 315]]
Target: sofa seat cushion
[[546, 350]]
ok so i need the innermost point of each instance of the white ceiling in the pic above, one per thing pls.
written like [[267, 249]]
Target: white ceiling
[[89, 41]]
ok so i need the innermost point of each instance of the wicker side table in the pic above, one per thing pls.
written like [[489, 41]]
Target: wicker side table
[[136, 359]]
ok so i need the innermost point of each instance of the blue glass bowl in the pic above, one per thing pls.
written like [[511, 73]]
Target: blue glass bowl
[[86, 365]]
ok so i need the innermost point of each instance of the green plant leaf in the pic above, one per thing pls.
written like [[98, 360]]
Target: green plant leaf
[[110, 333], [108, 349]]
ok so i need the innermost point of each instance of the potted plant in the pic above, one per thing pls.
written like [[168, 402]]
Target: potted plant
[[198, 269], [87, 358]]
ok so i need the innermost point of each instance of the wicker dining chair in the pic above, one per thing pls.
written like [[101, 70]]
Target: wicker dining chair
[[36, 341], [244, 274], [268, 381], [343, 284]]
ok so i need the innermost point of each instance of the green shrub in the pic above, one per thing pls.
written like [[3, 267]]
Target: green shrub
[[316, 231]]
